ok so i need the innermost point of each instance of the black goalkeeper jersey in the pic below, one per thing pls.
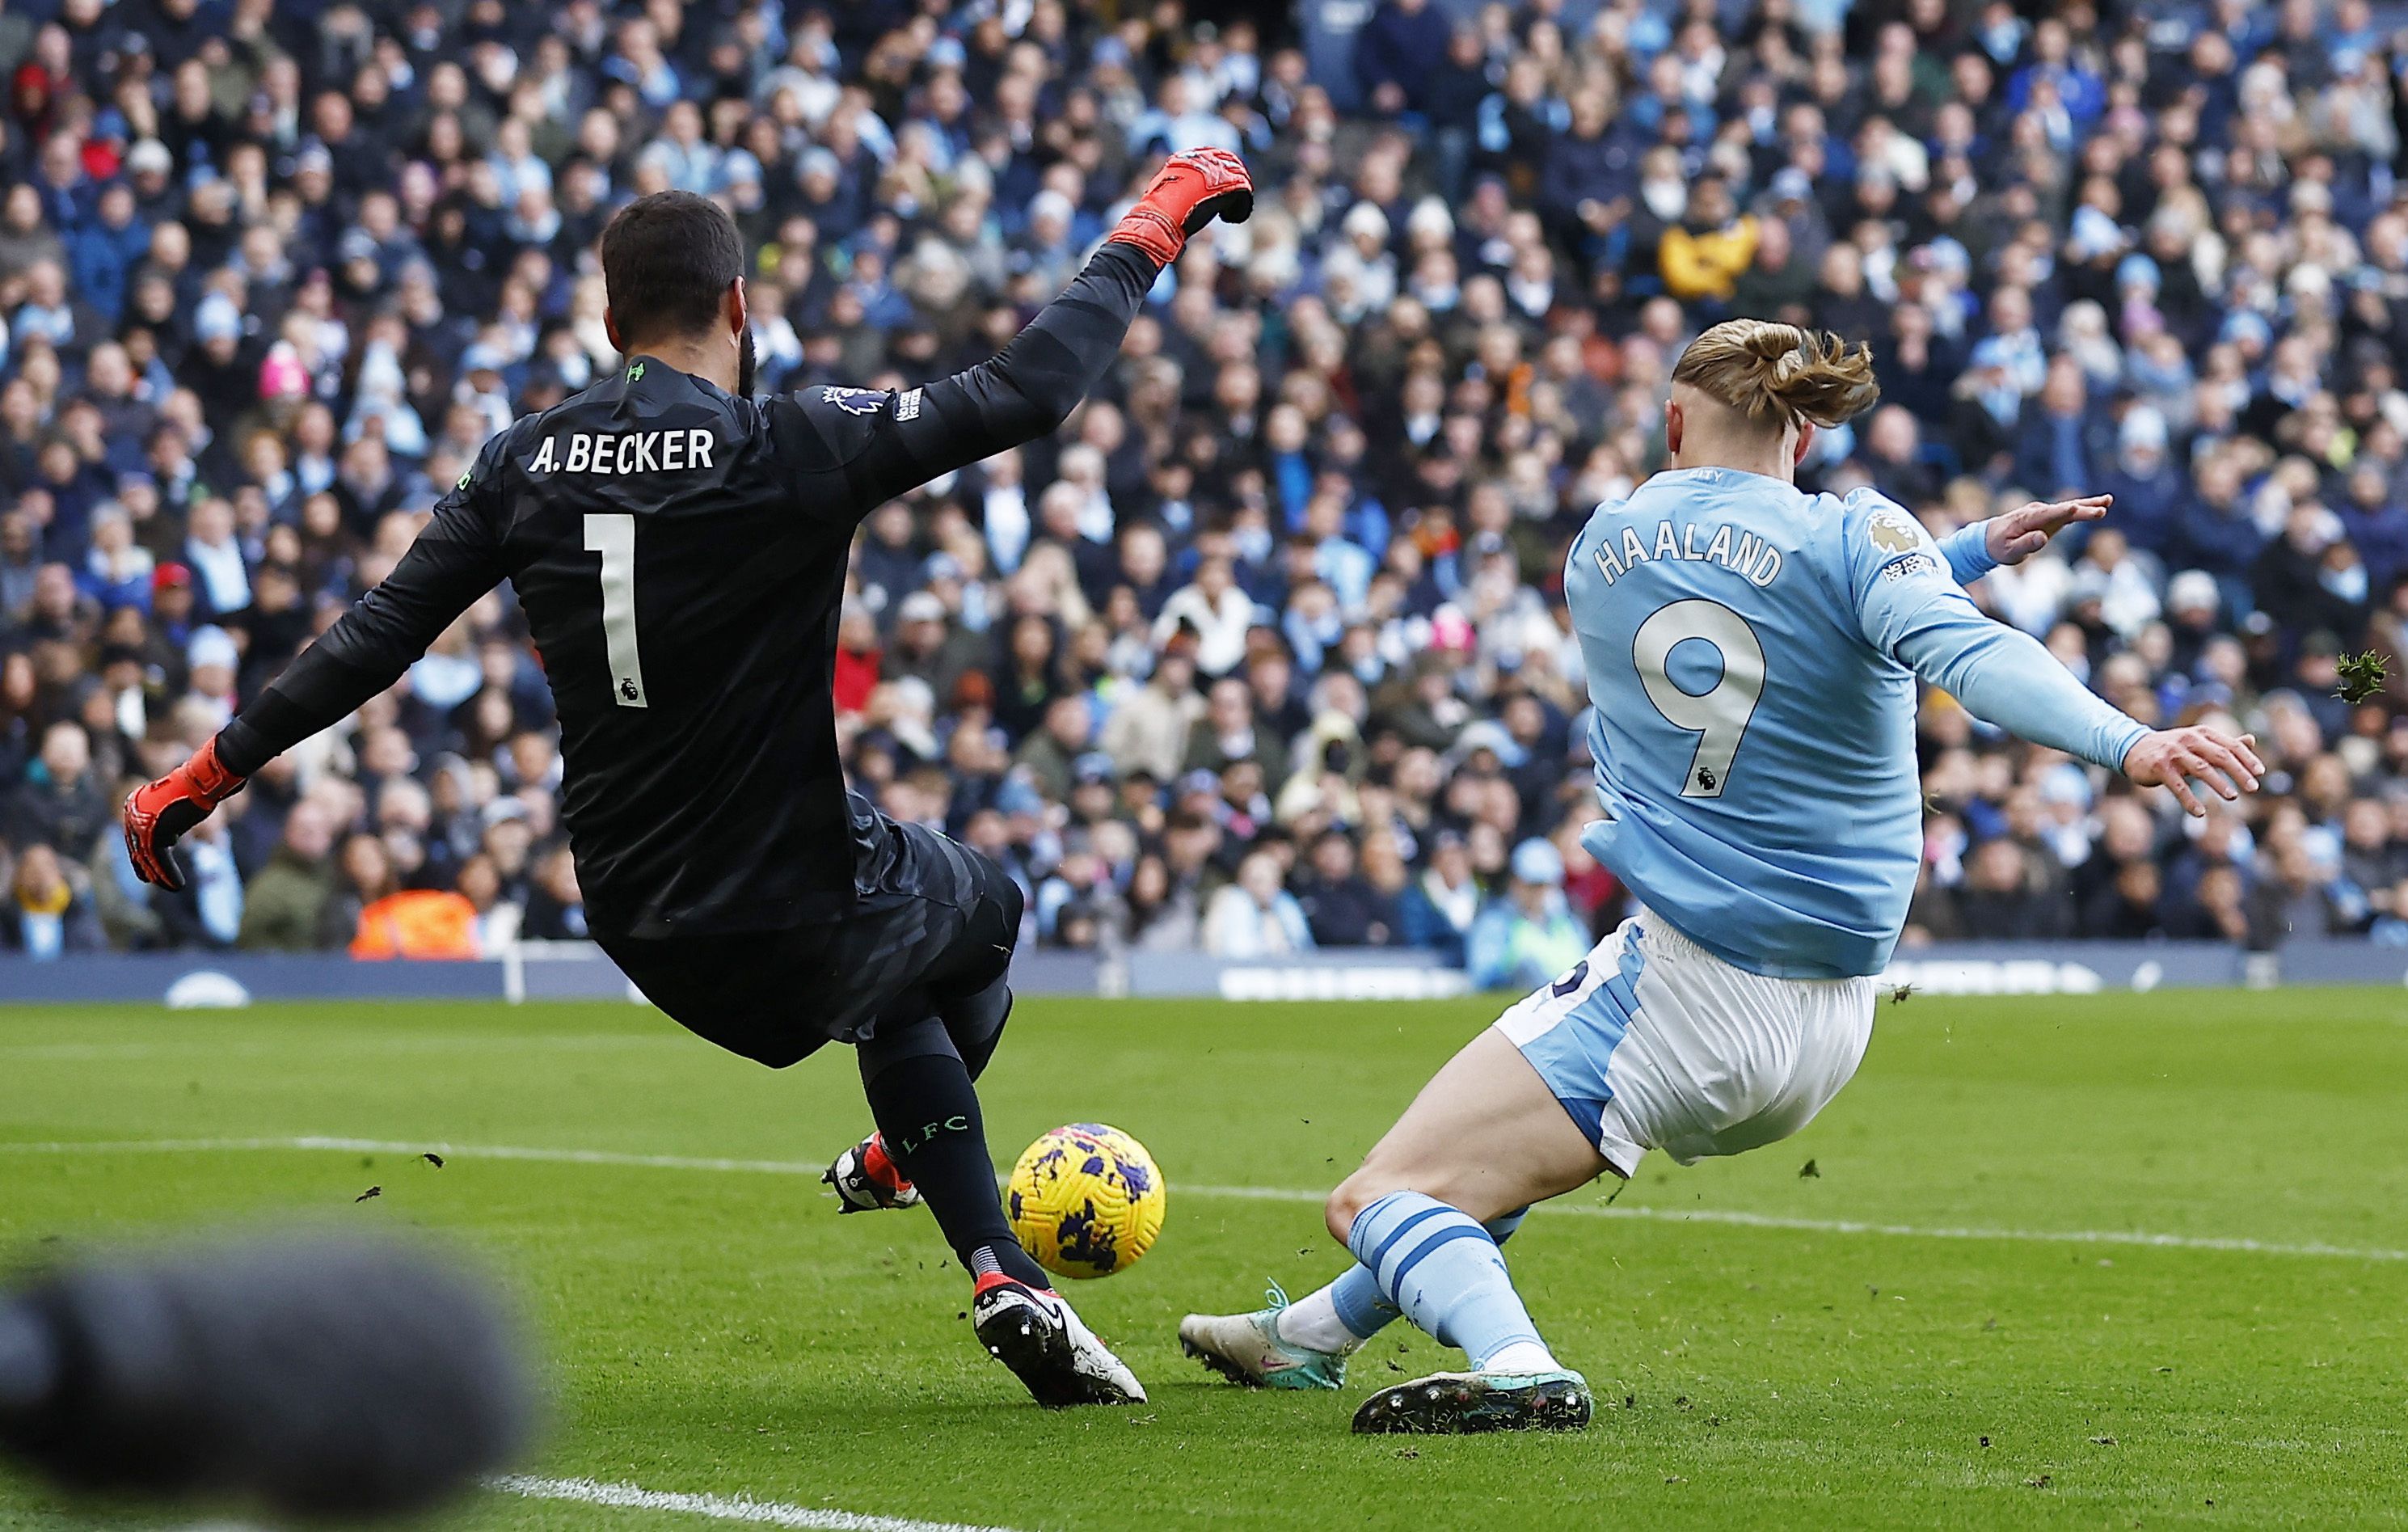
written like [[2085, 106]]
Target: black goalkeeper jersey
[[681, 554]]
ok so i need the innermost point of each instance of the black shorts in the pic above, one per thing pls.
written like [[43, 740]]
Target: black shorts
[[940, 925]]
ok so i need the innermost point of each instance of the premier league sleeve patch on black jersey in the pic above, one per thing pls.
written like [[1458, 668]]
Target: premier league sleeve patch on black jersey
[[854, 401]]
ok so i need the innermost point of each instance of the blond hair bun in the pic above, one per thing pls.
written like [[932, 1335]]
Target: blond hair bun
[[1776, 374]]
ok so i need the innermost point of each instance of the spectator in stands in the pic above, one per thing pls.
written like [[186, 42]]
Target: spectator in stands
[[1704, 253], [1161, 915], [1437, 907], [1396, 54], [289, 902], [49, 917], [61, 803], [2001, 900], [1342, 906], [1254, 917], [1528, 934]]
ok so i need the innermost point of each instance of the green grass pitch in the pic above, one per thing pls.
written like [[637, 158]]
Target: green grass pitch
[[1845, 1361]]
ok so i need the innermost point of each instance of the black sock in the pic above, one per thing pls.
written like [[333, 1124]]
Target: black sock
[[927, 1112]]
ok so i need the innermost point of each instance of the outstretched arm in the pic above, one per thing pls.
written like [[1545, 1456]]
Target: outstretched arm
[[2005, 677], [1024, 392], [455, 560], [887, 444], [1911, 609], [1977, 547]]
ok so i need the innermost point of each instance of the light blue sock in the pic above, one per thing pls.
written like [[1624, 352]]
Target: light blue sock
[[1364, 1310], [1444, 1271]]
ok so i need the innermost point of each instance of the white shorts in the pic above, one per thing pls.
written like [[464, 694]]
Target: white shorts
[[1652, 1042]]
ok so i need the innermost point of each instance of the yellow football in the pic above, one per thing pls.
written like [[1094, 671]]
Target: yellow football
[[1086, 1200]]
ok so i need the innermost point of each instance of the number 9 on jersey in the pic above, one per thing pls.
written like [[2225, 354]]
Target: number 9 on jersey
[[1718, 715]]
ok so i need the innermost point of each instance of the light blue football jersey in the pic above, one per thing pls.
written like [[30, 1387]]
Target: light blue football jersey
[[1752, 655]]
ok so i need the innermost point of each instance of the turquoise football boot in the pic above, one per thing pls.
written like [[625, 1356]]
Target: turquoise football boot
[[1247, 1349]]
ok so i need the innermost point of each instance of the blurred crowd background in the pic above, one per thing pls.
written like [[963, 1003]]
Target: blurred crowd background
[[1266, 650]]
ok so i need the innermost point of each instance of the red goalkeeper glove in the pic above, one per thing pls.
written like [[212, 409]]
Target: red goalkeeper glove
[[1194, 187], [159, 813]]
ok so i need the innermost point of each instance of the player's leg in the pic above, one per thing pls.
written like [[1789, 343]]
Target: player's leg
[[1305, 1344], [766, 998], [1656, 1042], [970, 992], [975, 1002], [1485, 1139], [1496, 1130], [1425, 1217], [1523, 1113], [1652, 1042], [928, 1117], [928, 1110], [938, 941], [778, 996], [938, 945]]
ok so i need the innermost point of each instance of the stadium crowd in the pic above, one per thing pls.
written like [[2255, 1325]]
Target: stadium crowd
[[1266, 650]]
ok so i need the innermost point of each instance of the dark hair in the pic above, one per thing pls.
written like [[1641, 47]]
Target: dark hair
[[665, 260]]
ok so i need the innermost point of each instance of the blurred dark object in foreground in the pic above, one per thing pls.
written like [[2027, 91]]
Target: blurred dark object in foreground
[[312, 1376]]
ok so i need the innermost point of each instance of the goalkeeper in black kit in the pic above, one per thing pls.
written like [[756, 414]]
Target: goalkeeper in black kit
[[679, 553]]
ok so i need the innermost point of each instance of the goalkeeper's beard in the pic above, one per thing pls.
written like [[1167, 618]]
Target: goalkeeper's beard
[[744, 365]]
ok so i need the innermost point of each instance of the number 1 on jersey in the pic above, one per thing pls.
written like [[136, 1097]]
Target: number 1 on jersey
[[1718, 715], [613, 537]]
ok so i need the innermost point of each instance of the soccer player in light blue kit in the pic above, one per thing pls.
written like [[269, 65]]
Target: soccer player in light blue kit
[[1753, 653]]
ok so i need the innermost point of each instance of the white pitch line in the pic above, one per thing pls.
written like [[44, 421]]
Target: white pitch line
[[1727, 1217], [2061, 1237], [1844, 1225], [718, 1507], [394, 1146], [110, 1052]]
